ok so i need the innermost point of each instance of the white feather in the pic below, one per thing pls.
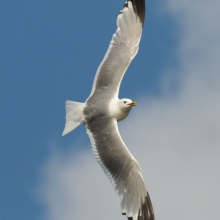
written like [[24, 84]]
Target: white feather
[[74, 116]]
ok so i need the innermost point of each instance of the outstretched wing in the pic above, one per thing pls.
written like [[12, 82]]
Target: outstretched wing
[[122, 49], [121, 168]]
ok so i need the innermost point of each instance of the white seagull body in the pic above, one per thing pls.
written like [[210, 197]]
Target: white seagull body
[[103, 109]]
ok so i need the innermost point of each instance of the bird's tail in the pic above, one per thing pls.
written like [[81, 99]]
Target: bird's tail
[[74, 115]]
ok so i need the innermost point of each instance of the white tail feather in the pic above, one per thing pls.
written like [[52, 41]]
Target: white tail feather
[[74, 115]]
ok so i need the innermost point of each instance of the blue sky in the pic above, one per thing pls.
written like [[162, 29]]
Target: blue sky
[[50, 51]]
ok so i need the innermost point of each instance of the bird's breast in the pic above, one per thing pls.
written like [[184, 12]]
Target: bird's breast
[[121, 116]]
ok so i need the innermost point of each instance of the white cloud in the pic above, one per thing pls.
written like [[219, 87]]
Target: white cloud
[[176, 139], [76, 188]]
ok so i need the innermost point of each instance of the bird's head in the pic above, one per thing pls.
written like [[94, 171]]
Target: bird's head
[[126, 104]]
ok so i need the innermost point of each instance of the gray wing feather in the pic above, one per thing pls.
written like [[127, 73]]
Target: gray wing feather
[[122, 49], [121, 168]]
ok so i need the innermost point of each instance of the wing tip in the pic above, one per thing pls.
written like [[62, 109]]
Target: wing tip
[[139, 9], [147, 210], [150, 207]]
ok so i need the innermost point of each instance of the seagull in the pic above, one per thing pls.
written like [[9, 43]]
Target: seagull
[[103, 109]]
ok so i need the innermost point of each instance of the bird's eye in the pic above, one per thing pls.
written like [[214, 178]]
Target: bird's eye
[[125, 102]]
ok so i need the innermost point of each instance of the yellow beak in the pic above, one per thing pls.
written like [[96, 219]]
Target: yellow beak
[[133, 104]]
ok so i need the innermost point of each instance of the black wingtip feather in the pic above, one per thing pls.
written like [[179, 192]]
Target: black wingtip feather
[[139, 8], [125, 5], [150, 207]]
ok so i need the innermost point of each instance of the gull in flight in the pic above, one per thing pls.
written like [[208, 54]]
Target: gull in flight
[[103, 109]]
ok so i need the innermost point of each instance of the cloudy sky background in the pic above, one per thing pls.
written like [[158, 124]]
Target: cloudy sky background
[[51, 51]]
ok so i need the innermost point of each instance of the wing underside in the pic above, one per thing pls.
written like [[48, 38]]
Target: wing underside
[[121, 168], [122, 49]]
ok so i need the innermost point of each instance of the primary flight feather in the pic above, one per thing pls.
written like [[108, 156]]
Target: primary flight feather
[[102, 110]]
